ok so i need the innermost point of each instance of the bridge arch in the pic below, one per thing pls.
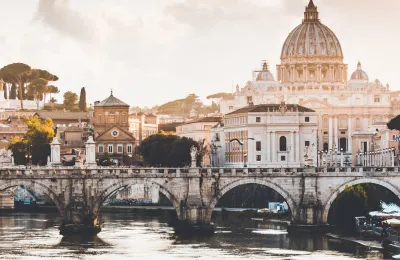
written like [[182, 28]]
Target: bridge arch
[[34, 186], [110, 190], [286, 196], [336, 193]]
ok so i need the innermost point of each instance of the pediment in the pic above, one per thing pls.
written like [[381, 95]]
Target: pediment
[[315, 104], [115, 133]]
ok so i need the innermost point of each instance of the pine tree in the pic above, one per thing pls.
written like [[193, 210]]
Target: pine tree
[[82, 100], [5, 89], [13, 94]]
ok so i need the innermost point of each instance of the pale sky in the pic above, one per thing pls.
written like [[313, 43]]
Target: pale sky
[[153, 51]]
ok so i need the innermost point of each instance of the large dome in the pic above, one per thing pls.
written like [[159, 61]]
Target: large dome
[[311, 38]]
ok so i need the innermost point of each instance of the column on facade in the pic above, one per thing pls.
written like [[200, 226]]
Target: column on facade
[[391, 158], [349, 139], [304, 73], [291, 159], [268, 146], [335, 141], [330, 133], [297, 147], [273, 146]]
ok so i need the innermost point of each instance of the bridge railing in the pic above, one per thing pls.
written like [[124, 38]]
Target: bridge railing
[[5, 171]]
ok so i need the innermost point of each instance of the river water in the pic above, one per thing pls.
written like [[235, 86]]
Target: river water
[[129, 236]]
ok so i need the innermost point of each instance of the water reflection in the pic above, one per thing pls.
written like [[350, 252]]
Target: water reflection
[[36, 236]]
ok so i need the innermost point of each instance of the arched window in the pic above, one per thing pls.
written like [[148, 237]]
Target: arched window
[[282, 144]]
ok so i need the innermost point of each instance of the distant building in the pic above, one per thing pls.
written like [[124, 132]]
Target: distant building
[[273, 135], [142, 126], [199, 130], [168, 128], [111, 128], [312, 73]]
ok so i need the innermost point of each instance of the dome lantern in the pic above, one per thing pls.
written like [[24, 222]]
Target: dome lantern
[[311, 14]]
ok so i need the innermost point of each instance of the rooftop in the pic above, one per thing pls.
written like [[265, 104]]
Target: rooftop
[[204, 120], [272, 108], [64, 115], [111, 101]]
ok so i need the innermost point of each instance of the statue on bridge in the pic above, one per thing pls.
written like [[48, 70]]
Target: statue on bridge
[[193, 155]]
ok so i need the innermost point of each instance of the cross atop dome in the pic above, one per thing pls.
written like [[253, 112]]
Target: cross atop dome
[[311, 14]]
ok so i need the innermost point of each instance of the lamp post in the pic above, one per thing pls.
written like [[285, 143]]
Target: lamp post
[[241, 144], [341, 157]]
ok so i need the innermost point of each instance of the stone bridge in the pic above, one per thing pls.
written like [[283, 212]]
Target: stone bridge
[[79, 193]]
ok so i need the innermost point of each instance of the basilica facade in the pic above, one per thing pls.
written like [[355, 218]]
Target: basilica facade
[[312, 74]]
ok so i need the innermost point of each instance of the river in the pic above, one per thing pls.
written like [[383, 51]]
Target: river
[[128, 236]]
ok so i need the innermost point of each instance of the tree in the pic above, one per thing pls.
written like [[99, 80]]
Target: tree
[[13, 92], [16, 73], [168, 151], [82, 100], [70, 100], [36, 141], [37, 88], [53, 90], [394, 124]]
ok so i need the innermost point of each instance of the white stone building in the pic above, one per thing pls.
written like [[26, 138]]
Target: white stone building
[[199, 130], [269, 136], [312, 74], [142, 126]]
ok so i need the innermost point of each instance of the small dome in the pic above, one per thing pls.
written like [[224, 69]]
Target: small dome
[[265, 74], [312, 38], [359, 74]]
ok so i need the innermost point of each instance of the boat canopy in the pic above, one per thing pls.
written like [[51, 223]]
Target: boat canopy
[[393, 222]]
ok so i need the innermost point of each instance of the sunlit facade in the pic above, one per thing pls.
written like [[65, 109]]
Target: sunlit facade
[[312, 74]]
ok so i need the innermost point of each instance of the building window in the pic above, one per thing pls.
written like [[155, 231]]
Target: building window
[[282, 144], [307, 119], [283, 158], [377, 99], [258, 119], [325, 133], [101, 148], [99, 118], [110, 148], [258, 146], [307, 143], [129, 148], [258, 158], [326, 147], [123, 118], [120, 148]]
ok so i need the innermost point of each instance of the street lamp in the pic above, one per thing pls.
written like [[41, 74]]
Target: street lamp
[[241, 144]]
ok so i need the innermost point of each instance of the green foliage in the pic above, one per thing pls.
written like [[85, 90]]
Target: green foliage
[[356, 201], [22, 77], [82, 100], [394, 124], [36, 141], [168, 151], [13, 91], [70, 100], [40, 131], [16, 73], [179, 106], [220, 95]]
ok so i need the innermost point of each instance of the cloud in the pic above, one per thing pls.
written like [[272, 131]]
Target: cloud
[[202, 14], [58, 15]]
